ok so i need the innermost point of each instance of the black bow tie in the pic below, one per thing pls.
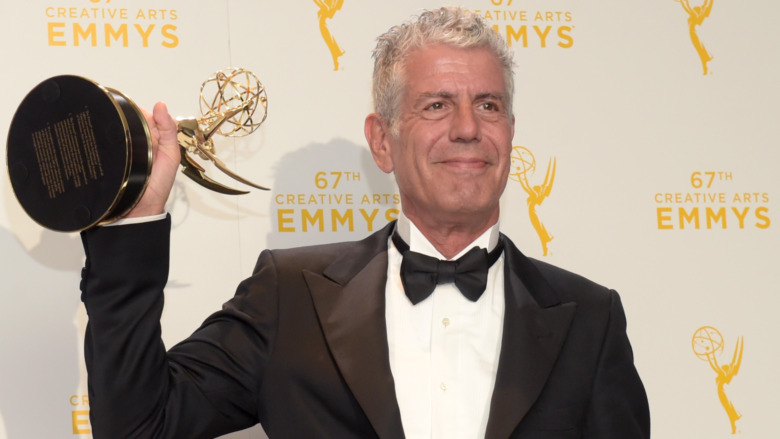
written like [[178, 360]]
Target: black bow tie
[[420, 273]]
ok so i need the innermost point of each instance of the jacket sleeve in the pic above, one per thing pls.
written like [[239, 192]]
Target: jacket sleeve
[[619, 407], [205, 386]]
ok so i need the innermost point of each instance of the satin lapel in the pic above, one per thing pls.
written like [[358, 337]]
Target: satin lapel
[[535, 327], [350, 303]]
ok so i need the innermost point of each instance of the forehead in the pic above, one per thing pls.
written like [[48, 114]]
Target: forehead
[[439, 67]]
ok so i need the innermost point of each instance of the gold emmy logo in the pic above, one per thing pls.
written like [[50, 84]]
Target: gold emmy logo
[[524, 164], [696, 16], [707, 344], [328, 9]]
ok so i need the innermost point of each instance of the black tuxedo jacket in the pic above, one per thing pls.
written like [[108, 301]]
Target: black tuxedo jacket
[[302, 349]]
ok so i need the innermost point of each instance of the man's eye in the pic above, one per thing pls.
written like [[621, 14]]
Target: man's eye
[[435, 106], [489, 106]]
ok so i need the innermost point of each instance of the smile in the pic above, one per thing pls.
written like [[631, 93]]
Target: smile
[[465, 164]]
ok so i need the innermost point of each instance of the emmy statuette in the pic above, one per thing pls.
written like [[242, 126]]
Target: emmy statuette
[[79, 154]]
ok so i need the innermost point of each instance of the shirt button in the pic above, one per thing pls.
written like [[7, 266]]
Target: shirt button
[[443, 387], [445, 322]]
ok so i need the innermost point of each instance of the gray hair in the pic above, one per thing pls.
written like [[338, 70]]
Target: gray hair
[[451, 26]]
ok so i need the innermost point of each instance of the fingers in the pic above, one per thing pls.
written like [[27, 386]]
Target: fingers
[[165, 162], [164, 141], [165, 125]]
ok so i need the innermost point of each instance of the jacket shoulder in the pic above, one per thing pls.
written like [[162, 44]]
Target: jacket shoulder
[[552, 284], [562, 279], [318, 257]]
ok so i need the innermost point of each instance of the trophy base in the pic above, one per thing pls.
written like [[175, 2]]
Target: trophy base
[[78, 154]]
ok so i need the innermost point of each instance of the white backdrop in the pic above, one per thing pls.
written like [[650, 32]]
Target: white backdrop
[[664, 182]]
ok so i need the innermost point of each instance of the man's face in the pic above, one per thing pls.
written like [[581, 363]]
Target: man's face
[[452, 153]]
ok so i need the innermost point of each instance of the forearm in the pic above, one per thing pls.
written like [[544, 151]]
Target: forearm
[[203, 387], [122, 289]]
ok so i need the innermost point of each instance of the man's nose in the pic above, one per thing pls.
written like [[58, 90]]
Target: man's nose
[[465, 125]]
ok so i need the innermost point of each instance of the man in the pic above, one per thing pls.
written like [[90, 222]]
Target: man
[[333, 340]]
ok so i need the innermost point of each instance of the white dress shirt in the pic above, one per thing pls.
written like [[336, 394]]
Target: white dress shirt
[[444, 350]]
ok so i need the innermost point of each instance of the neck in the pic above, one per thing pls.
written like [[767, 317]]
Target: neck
[[449, 239]]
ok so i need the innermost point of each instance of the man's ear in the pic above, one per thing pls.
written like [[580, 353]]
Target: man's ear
[[512, 121], [378, 136]]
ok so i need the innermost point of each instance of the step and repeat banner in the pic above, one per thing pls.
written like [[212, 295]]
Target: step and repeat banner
[[645, 158]]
